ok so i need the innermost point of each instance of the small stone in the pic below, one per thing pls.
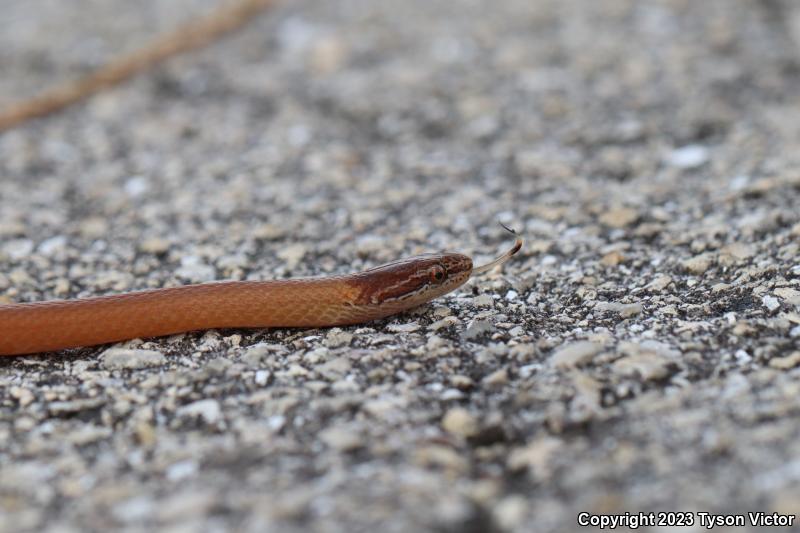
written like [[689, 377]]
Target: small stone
[[458, 421], [510, 512], [296, 371], [327, 55], [155, 246], [537, 456], [136, 186], [629, 310], [20, 278], [145, 433], [24, 396], [209, 410], [688, 157], [771, 303], [442, 457], [342, 439], [612, 259], [483, 300], [646, 365], [336, 338], [192, 269], [88, 434], [575, 354], [182, 470], [94, 227], [462, 382], [61, 287], [335, 368], [496, 379], [791, 296], [478, 328], [53, 245], [624, 310], [735, 253], [743, 329], [411, 327], [292, 255], [268, 232], [785, 363], [69, 408], [444, 323], [661, 282], [619, 217], [18, 248], [129, 359], [262, 377], [698, 264], [649, 360], [137, 509]]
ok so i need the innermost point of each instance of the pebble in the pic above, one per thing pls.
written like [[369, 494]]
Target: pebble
[[785, 363], [624, 310], [88, 434], [335, 368], [483, 300], [771, 303], [131, 359], [612, 259], [478, 328], [292, 254], [497, 379], [155, 246], [688, 157], [182, 470], [17, 249], [699, 264], [209, 410], [262, 377], [193, 270], [510, 512], [342, 439], [645, 365], [336, 338], [792, 296], [619, 217], [660, 283], [575, 354], [460, 422], [411, 327], [24, 396]]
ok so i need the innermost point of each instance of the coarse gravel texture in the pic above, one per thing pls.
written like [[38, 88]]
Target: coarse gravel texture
[[641, 353]]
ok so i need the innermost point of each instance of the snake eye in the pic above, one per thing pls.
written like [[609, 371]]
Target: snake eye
[[437, 274]]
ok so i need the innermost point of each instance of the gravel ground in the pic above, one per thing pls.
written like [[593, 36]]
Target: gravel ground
[[641, 354]]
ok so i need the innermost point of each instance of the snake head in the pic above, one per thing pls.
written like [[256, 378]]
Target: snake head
[[411, 282]]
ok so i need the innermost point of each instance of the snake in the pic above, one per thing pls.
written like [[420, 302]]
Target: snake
[[312, 302]]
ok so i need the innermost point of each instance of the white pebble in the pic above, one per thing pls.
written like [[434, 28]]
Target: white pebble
[[136, 186], [209, 410], [18, 248], [688, 157], [771, 303]]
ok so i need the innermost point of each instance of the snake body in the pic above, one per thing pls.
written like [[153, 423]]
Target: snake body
[[302, 302]]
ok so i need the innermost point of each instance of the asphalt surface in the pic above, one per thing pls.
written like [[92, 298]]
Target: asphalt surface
[[640, 354]]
